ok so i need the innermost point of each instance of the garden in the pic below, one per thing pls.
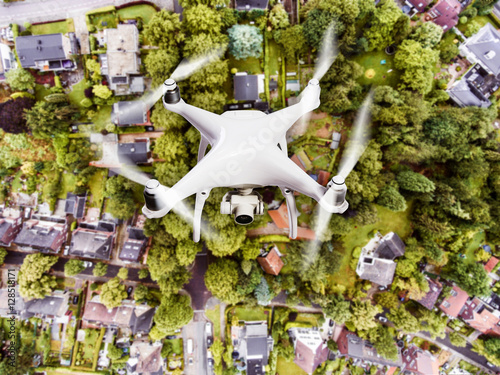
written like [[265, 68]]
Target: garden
[[376, 65], [86, 353], [62, 27]]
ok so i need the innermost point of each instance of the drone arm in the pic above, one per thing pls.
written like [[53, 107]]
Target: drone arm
[[201, 197], [292, 211], [202, 148], [206, 122]]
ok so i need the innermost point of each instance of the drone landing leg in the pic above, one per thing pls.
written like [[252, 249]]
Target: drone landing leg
[[201, 197], [292, 211]]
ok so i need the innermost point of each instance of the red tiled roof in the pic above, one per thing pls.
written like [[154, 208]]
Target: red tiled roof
[[445, 13], [305, 234], [491, 264], [453, 304], [280, 216], [479, 317], [323, 177], [297, 161], [271, 263]]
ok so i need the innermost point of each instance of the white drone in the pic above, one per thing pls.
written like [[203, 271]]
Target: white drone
[[248, 151]]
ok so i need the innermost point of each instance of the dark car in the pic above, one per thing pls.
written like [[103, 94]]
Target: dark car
[[75, 300], [209, 341], [130, 289], [210, 362], [331, 323], [171, 337], [150, 128]]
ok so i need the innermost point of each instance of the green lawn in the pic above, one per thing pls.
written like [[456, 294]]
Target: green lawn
[[41, 92], [109, 18], [398, 222], [102, 117], [288, 368], [68, 184], [482, 20], [250, 65], [53, 27], [176, 346], [77, 92], [308, 318], [274, 53], [214, 316], [474, 243], [371, 60], [252, 314], [97, 184], [144, 11], [88, 350]]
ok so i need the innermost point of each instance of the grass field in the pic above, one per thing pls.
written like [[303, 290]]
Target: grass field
[[481, 20], [77, 92], [250, 65], [102, 117], [250, 314], [41, 92], [474, 243], [371, 60], [104, 20], [68, 184], [97, 184], [214, 316], [176, 346], [398, 222], [54, 27], [144, 11], [274, 53], [288, 368]]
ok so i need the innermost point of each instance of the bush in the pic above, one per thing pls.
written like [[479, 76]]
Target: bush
[[458, 68]]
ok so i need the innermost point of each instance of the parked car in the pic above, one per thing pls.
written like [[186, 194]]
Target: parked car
[[129, 290], [446, 366], [209, 341], [171, 337], [381, 288], [383, 319], [208, 328], [489, 364], [66, 250], [87, 264], [331, 323], [190, 346], [190, 361], [210, 362], [75, 300], [149, 128], [330, 332]]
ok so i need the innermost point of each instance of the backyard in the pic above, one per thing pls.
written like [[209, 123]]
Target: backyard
[[54, 27], [249, 314], [97, 184], [288, 368], [144, 11], [77, 93], [380, 75]]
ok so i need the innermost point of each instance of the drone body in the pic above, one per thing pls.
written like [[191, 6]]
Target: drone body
[[248, 150]]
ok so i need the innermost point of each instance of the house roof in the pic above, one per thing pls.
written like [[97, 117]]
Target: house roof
[[280, 216], [32, 48], [378, 271], [432, 295], [445, 13], [132, 249], [41, 234], [55, 305], [75, 205], [485, 45], [246, 87], [453, 304], [149, 359], [122, 51], [465, 95], [136, 152], [8, 230], [491, 264], [310, 350], [126, 113], [419, 5], [419, 361], [390, 247], [271, 261], [480, 317], [251, 4], [91, 243]]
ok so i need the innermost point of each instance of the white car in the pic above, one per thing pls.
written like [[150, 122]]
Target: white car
[[383, 319], [190, 361], [208, 328]]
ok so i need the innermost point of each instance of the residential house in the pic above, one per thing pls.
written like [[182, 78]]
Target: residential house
[[134, 245], [122, 62], [376, 262], [418, 5], [493, 300], [93, 240], [270, 260], [42, 233], [453, 304], [75, 205], [280, 219], [253, 344], [481, 317], [491, 264], [145, 359], [128, 113], [7, 60], [6, 308], [445, 13], [352, 346], [248, 5], [481, 81], [136, 152], [310, 349], [420, 362], [246, 87], [430, 298], [55, 306], [11, 223], [47, 52]]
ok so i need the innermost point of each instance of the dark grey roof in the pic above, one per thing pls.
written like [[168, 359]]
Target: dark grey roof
[[465, 95], [136, 234], [126, 113], [75, 205], [377, 271], [486, 46], [105, 226], [255, 367], [39, 237], [251, 4], [143, 322], [136, 153], [391, 246], [246, 87], [32, 48], [131, 251], [50, 305], [5, 225], [361, 349], [90, 244]]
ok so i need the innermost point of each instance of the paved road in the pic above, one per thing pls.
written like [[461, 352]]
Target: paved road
[[196, 286], [16, 258], [195, 331], [48, 10]]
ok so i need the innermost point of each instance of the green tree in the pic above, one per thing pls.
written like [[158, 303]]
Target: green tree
[[143, 273], [363, 315], [32, 278], [186, 251], [164, 30], [3, 254], [447, 51], [141, 292], [120, 191], [338, 309], [100, 269], [221, 279], [173, 313], [278, 17], [245, 41], [433, 323], [123, 273], [472, 28], [428, 35], [250, 249], [202, 19], [471, 277], [292, 41], [102, 91], [160, 64], [381, 32], [113, 293], [262, 292], [391, 198], [458, 340], [73, 267], [415, 182], [383, 341], [404, 320], [387, 299], [47, 120], [114, 353], [19, 79]]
